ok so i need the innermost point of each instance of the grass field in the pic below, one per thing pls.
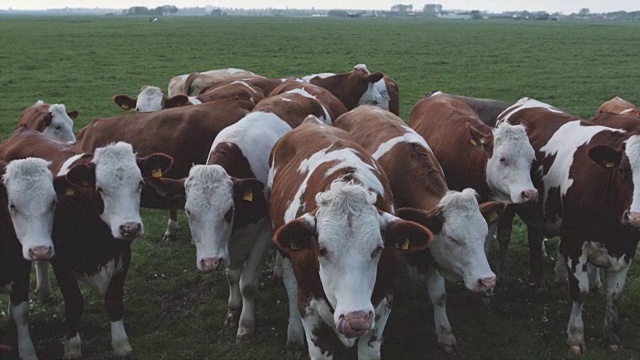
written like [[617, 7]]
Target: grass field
[[172, 311]]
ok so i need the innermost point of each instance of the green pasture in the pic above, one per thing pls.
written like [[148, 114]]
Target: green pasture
[[174, 312]]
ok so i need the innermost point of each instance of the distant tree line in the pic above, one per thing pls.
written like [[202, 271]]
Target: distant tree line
[[159, 11]]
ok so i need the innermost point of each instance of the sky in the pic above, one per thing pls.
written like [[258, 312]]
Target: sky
[[564, 6]]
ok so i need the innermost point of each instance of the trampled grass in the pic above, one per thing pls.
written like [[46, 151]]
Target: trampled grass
[[174, 312]]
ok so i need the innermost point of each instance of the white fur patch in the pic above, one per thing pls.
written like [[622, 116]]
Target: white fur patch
[[99, 282], [61, 126], [410, 136], [526, 103], [632, 150], [64, 169], [149, 99]]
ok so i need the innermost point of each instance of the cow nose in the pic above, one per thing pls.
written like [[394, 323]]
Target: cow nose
[[211, 264], [632, 218], [488, 282], [529, 195], [131, 230], [40, 253], [355, 323]]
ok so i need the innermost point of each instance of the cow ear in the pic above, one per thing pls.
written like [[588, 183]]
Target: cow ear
[[375, 77], [479, 139], [154, 165], [432, 219], [73, 114], [295, 235], [46, 120], [82, 175], [63, 186], [492, 210], [404, 235], [605, 156], [247, 190], [176, 101], [125, 101]]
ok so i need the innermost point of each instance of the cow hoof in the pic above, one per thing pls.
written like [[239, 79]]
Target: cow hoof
[[577, 349], [449, 350], [615, 347], [169, 237], [244, 337], [232, 318], [44, 297], [123, 349], [295, 346], [73, 348]]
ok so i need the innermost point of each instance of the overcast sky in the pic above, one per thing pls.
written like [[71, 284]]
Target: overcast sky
[[565, 6]]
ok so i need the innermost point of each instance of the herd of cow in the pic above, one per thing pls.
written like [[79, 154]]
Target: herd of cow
[[323, 168]]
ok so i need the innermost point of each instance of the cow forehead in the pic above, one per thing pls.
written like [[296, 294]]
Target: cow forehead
[[208, 185], [115, 162], [462, 214], [28, 176], [514, 137], [59, 112]]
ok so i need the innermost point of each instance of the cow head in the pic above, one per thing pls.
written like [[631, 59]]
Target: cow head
[[216, 204], [117, 176], [150, 99], [377, 93], [508, 171], [31, 196], [353, 88], [460, 230], [58, 123], [626, 162], [345, 236]]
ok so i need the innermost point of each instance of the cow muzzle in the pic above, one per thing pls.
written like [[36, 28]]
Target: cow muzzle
[[355, 324], [212, 264], [529, 196], [40, 253], [486, 284], [631, 219], [130, 230]]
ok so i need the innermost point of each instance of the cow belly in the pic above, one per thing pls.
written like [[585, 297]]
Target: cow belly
[[99, 281]]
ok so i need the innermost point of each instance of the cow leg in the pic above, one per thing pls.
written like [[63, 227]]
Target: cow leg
[[170, 234], [369, 345], [437, 293], [595, 283], [19, 312], [295, 330], [43, 284], [535, 238], [560, 274], [505, 226], [115, 308], [277, 267], [235, 298], [320, 340], [579, 290], [249, 282], [73, 308], [615, 280]]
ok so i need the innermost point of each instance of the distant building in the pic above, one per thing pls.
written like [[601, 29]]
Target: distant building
[[432, 9]]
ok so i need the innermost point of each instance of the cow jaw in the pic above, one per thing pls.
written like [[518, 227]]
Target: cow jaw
[[61, 126], [31, 200], [509, 168], [459, 248], [118, 181], [209, 198]]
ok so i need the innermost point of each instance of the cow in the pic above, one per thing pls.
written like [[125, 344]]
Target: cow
[[190, 84], [359, 87], [28, 197], [293, 106], [417, 182], [94, 223], [333, 104], [496, 162], [151, 98], [618, 105], [184, 133], [51, 119], [332, 211], [587, 175]]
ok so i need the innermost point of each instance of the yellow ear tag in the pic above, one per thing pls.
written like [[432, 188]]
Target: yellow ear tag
[[248, 196], [69, 192], [404, 246], [474, 143], [609, 164], [493, 217], [156, 173]]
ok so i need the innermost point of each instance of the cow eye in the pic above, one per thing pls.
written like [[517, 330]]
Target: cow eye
[[12, 207], [377, 251], [58, 127], [322, 251], [453, 240], [503, 160], [99, 189], [228, 216]]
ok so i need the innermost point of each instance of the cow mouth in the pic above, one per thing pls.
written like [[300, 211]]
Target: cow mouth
[[348, 331]]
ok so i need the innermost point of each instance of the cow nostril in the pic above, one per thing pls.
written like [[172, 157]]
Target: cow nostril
[[627, 216]]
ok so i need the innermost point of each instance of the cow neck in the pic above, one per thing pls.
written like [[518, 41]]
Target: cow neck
[[230, 157]]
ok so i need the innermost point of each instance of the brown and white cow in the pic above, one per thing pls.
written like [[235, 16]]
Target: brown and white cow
[[94, 223], [51, 119], [184, 133], [618, 105], [28, 197], [588, 175], [323, 95], [226, 206], [151, 98], [293, 106], [333, 211], [359, 87], [190, 84], [417, 182]]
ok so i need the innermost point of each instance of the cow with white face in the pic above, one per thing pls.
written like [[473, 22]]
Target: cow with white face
[[419, 188], [29, 199], [332, 208], [151, 98], [50, 119], [588, 176]]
